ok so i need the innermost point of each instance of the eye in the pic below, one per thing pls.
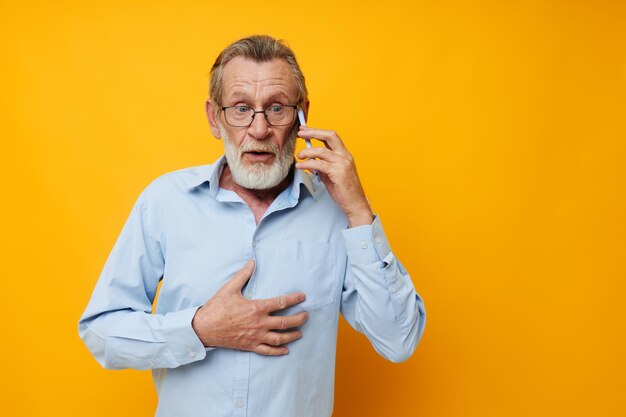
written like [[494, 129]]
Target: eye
[[242, 109], [275, 109]]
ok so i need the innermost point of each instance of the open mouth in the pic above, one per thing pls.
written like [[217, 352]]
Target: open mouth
[[258, 155]]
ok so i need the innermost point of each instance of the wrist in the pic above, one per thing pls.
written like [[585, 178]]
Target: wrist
[[360, 218], [199, 326]]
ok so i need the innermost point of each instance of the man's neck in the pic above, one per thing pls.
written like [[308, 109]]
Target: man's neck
[[257, 200]]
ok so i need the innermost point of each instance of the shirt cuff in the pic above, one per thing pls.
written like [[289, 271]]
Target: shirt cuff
[[366, 244], [184, 343]]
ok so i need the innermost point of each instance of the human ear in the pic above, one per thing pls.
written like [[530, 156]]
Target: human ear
[[306, 110], [209, 109]]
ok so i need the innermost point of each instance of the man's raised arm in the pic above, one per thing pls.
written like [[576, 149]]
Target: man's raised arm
[[378, 297]]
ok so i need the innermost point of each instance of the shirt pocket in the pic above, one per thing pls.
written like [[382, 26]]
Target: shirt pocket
[[307, 267]]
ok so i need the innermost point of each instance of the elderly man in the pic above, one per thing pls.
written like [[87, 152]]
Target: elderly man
[[256, 257]]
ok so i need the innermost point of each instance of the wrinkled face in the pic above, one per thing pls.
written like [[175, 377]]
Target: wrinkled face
[[259, 156]]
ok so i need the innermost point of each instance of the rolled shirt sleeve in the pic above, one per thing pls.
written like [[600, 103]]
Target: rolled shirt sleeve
[[379, 298], [117, 325]]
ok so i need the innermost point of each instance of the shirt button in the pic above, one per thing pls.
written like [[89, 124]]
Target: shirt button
[[378, 241], [191, 354], [248, 295], [254, 243], [394, 290], [240, 403], [364, 245]]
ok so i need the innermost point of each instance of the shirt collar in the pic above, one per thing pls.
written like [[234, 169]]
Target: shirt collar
[[303, 178], [211, 174]]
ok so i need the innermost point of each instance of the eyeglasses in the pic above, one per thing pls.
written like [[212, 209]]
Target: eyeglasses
[[276, 115]]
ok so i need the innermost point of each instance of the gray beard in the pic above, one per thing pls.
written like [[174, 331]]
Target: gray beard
[[259, 176]]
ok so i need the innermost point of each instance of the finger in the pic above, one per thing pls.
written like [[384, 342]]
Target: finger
[[314, 165], [240, 278], [271, 350], [329, 137], [321, 153], [282, 302], [287, 322], [279, 339]]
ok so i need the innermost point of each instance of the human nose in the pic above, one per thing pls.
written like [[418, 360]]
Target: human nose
[[259, 128]]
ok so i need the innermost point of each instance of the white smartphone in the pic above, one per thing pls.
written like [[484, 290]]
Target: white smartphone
[[302, 121]]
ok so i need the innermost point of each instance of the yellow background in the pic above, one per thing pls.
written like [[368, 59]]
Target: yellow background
[[490, 137]]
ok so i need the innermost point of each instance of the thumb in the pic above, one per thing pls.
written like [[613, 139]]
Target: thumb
[[240, 278]]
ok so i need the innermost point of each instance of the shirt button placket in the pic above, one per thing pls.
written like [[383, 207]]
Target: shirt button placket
[[241, 379], [241, 376]]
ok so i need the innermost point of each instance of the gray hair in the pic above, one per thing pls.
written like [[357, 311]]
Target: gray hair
[[258, 48]]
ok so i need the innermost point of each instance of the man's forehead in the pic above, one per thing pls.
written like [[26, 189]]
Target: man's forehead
[[241, 74]]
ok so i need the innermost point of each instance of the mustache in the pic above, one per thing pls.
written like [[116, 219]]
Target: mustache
[[258, 146]]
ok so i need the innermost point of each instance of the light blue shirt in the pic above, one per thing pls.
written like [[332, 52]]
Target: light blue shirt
[[194, 235]]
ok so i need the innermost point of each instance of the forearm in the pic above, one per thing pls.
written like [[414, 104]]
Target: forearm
[[379, 299], [140, 340]]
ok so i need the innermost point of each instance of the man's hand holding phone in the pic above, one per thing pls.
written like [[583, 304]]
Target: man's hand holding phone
[[337, 170]]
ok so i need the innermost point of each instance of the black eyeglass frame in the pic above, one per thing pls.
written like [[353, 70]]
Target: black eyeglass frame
[[254, 112]]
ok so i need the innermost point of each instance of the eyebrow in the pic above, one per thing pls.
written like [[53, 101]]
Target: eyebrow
[[241, 94]]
